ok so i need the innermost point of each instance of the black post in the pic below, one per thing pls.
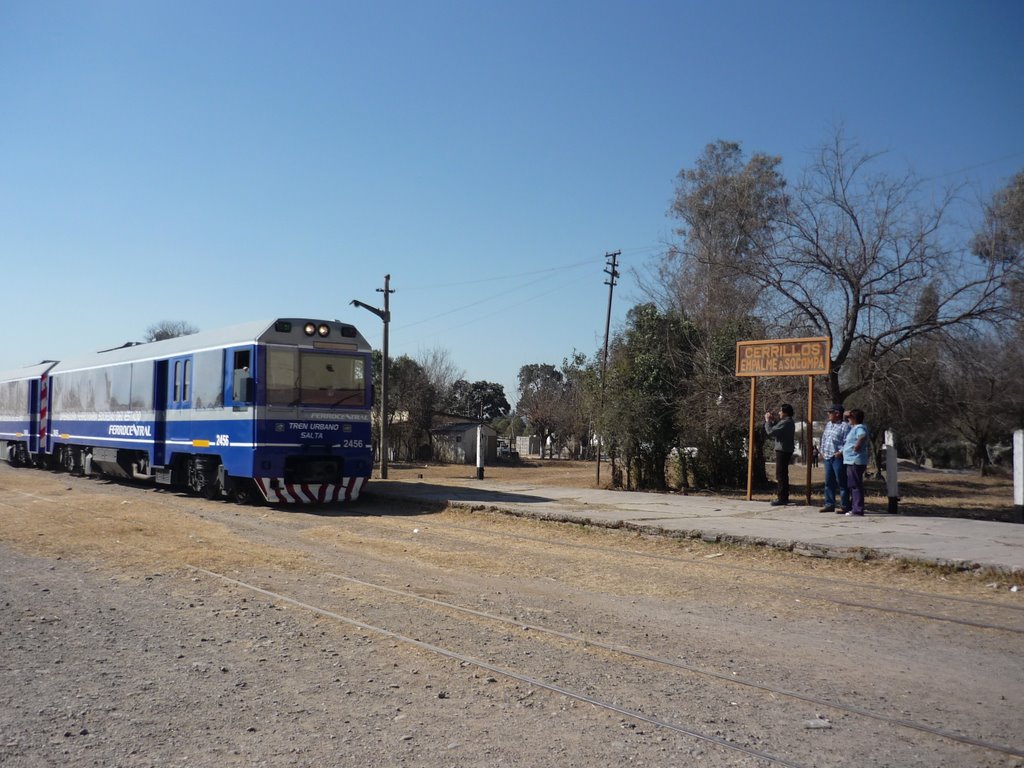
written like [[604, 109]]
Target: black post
[[385, 315]]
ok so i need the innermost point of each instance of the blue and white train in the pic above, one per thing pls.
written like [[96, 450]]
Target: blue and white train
[[277, 410]]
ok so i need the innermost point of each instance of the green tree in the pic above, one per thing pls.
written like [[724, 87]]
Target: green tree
[[1002, 236], [510, 426], [541, 398], [411, 401], [712, 405], [728, 210], [1001, 241], [643, 382], [581, 397], [483, 400]]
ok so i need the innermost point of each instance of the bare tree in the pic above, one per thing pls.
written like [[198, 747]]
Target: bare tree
[[985, 399], [850, 256], [441, 371], [169, 329], [858, 257]]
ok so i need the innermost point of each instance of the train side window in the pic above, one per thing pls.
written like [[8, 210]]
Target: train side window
[[207, 385], [185, 381], [177, 381], [142, 386], [242, 389]]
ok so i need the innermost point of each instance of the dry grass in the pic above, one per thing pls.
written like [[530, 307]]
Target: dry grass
[[938, 493]]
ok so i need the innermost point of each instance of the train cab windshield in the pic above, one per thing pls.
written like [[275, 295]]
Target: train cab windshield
[[301, 377]]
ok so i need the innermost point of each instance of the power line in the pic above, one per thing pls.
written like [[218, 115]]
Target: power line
[[471, 304], [542, 274], [984, 164], [435, 286], [504, 309], [633, 251]]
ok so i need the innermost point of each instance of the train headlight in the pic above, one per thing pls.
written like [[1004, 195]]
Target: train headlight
[[309, 328], [324, 329]]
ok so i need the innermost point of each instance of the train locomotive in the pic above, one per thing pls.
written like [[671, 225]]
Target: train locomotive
[[275, 411]]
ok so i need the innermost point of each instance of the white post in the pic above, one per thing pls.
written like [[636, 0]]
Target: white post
[[479, 451], [892, 485], [1018, 476]]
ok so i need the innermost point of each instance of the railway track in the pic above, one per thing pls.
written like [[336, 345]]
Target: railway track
[[893, 600], [657, 696], [999, 615], [544, 631], [611, 706]]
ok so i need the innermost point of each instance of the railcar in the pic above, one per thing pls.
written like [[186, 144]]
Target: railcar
[[275, 410]]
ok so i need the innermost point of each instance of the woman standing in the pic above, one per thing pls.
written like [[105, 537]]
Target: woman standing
[[855, 459]]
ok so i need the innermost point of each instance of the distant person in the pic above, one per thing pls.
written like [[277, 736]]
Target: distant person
[[832, 441], [782, 431], [815, 456], [855, 457]]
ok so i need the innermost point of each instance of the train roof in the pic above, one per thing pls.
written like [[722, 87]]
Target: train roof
[[245, 333], [28, 372]]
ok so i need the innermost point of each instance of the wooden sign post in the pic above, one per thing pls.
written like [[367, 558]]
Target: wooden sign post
[[783, 357]]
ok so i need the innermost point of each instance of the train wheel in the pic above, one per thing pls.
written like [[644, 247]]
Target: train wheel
[[15, 455], [212, 490], [244, 491], [67, 458], [202, 476]]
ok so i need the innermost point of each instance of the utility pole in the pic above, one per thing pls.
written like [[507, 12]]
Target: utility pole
[[613, 275], [385, 315]]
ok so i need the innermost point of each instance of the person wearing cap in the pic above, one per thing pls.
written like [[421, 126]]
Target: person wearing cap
[[782, 431], [832, 441]]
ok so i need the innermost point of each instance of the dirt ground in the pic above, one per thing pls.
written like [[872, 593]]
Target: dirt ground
[[119, 648], [940, 493]]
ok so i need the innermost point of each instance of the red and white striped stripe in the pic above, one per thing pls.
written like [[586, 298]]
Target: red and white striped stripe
[[44, 388], [310, 493]]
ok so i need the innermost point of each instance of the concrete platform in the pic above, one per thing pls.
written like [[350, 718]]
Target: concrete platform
[[963, 544]]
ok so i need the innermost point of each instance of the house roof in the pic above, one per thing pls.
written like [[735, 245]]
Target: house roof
[[454, 429]]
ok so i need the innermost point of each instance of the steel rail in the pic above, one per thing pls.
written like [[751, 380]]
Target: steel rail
[[632, 714], [767, 572], [639, 654], [626, 651]]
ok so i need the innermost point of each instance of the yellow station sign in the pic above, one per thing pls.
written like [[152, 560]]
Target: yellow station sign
[[783, 357]]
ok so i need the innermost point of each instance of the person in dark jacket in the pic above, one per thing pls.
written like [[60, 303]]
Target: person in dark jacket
[[782, 430]]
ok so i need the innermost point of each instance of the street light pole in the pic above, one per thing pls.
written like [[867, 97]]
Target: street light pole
[[385, 315]]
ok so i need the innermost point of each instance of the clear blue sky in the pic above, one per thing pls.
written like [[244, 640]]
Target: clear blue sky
[[220, 162]]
